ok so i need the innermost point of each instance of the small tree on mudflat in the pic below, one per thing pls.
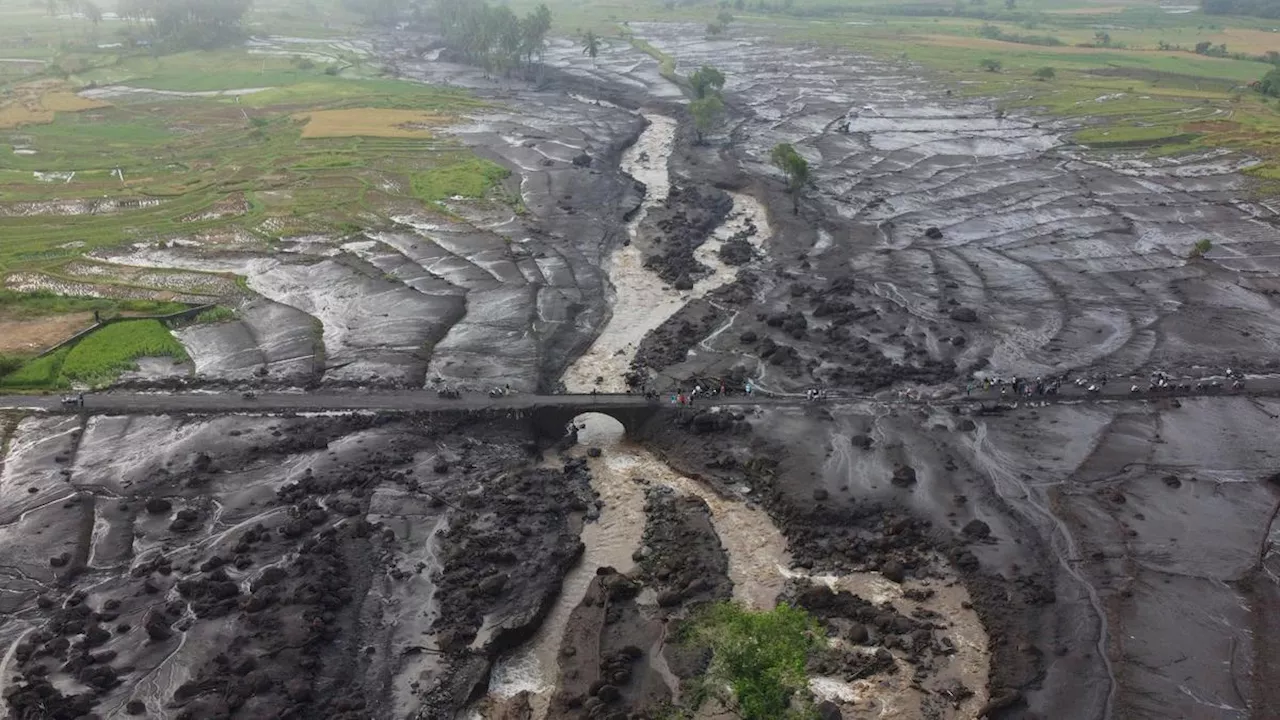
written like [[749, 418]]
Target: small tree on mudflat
[[705, 111], [1202, 246], [1044, 74], [591, 46], [796, 168], [705, 81]]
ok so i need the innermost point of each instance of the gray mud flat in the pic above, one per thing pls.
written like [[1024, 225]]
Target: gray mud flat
[[1104, 559]]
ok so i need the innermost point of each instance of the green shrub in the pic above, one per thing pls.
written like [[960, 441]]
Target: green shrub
[[1044, 73], [215, 315], [760, 656], [1202, 246], [9, 363]]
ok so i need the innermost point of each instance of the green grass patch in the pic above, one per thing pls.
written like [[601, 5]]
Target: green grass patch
[[192, 153], [104, 354], [215, 315], [24, 306], [472, 178], [759, 656], [1132, 136], [42, 372]]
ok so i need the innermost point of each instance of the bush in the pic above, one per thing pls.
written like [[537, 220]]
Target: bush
[[1270, 83], [1044, 73], [332, 70], [990, 65], [759, 656], [1202, 246], [215, 315], [8, 364]]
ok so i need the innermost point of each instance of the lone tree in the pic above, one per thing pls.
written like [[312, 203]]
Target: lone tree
[[1202, 246], [705, 111], [591, 45], [705, 81], [795, 167], [1045, 73], [990, 65]]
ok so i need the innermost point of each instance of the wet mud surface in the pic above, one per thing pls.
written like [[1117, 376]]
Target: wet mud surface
[[1107, 558]]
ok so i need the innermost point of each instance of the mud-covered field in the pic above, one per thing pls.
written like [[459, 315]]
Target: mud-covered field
[[1097, 558]]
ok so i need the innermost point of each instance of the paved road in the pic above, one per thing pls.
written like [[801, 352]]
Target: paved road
[[338, 400]]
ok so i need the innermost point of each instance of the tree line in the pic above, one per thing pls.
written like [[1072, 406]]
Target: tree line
[[493, 37], [189, 23], [1256, 8]]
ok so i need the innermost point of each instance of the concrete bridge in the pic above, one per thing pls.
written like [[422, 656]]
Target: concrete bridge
[[550, 413]]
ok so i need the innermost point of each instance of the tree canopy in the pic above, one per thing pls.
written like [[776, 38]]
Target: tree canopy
[[794, 166], [1257, 8], [189, 23], [493, 37], [705, 81], [705, 111]]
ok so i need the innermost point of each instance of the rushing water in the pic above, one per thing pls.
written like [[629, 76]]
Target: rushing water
[[755, 547], [642, 301]]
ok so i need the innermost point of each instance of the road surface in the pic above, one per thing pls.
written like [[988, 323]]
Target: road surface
[[346, 400]]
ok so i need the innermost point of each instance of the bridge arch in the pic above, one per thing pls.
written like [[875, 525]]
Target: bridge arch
[[550, 421]]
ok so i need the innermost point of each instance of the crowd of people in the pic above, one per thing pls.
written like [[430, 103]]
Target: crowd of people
[[1095, 383]]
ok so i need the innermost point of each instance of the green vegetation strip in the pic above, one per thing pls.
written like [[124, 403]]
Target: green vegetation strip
[[666, 63], [99, 358]]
